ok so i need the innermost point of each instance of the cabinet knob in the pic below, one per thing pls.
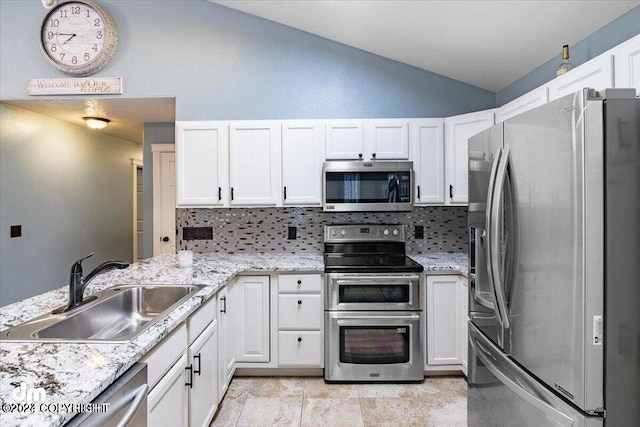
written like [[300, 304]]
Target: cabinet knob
[[165, 239], [299, 282], [360, 155], [299, 339], [373, 156], [299, 302]]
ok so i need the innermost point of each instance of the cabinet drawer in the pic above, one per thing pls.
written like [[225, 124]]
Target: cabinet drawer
[[297, 283], [162, 357], [201, 319], [299, 312], [300, 348]]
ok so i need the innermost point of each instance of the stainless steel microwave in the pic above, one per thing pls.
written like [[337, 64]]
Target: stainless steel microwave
[[356, 186]]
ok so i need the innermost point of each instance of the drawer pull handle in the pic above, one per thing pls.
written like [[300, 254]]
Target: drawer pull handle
[[299, 302], [299, 339], [299, 282]]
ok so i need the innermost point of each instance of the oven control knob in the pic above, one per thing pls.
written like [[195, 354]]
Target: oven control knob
[[395, 231], [343, 232], [385, 232]]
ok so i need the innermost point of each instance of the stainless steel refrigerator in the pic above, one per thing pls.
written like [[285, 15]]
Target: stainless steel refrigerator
[[554, 295]]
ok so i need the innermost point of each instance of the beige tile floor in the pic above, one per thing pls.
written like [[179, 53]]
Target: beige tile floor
[[436, 402]]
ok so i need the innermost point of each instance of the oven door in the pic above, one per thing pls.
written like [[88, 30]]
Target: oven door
[[364, 292], [373, 346]]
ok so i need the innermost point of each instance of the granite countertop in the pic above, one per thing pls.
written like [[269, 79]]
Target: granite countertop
[[79, 372]]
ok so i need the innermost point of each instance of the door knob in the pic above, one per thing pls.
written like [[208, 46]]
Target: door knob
[[165, 239]]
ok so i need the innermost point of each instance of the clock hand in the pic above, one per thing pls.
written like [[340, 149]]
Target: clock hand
[[64, 34], [67, 40]]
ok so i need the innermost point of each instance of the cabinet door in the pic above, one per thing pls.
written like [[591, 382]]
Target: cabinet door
[[463, 311], [255, 164], [427, 154], [457, 131], [251, 295], [626, 57], [443, 318], [524, 103], [167, 403], [226, 338], [302, 156], [201, 163], [388, 139], [596, 74], [203, 357], [344, 140]]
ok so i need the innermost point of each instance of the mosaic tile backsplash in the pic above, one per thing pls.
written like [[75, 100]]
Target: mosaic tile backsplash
[[265, 229]]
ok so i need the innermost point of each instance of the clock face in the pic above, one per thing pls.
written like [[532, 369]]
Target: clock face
[[79, 37]]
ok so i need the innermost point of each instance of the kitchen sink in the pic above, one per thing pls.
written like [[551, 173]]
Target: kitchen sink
[[117, 314]]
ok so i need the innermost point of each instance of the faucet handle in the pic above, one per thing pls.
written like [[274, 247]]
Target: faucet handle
[[77, 266]]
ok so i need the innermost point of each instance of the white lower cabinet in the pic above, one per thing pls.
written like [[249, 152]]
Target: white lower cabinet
[[251, 318], [300, 321], [203, 394], [446, 314], [226, 359], [167, 403], [463, 288]]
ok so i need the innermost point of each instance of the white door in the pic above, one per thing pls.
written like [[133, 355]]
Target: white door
[[596, 74], [457, 131], [627, 64], [164, 200], [344, 140], [167, 403], [202, 162], [251, 319], [203, 397], [255, 164], [443, 318], [524, 103], [427, 154], [302, 156], [388, 139]]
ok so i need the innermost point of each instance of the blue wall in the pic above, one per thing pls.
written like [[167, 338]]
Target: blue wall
[[223, 64], [612, 34]]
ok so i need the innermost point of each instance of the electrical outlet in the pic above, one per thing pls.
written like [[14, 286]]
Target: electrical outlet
[[419, 231], [16, 231], [292, 233], [197, 233]]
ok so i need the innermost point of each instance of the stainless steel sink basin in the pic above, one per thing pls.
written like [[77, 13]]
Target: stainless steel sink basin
[[118, 314]]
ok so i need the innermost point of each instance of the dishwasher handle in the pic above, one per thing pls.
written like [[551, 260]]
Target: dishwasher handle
[[138, 400]]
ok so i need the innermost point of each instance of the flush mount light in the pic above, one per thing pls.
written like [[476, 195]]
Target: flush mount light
[[96, 122]]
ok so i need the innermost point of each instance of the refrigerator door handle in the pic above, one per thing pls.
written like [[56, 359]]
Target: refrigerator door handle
[[494, 238], [489, 233], [523, 387]]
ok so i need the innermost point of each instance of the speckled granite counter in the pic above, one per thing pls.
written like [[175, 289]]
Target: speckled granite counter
[[78, 372]]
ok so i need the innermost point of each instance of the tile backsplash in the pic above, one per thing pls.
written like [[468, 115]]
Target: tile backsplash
[[265, 229]]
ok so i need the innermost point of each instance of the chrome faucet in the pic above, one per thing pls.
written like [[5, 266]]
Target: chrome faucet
[[78, 283]]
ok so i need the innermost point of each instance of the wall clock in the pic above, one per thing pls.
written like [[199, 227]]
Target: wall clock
[[79, 37]]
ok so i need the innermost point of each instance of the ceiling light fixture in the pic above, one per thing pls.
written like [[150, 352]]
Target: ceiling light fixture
[[96, 122]]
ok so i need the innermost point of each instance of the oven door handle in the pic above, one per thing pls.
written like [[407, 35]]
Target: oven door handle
[[368, 280], [353, 316]]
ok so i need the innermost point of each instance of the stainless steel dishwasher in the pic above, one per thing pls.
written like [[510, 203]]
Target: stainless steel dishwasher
[[127, 398]]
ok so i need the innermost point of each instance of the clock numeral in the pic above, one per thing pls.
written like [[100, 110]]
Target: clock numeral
[[99, 35], [50, 35], [86, 56], [96, 23], [75, 10], [54, 47], [95, 48], [74, 60], [88, 13], [62, 56], [63, 14], [54, 22]]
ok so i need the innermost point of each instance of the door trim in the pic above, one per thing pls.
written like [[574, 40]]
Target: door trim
[[135, 164], [156, 150]]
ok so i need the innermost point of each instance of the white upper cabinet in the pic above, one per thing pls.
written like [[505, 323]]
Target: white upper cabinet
[[302, 156], [524, 103], [627, 64], [344, 140], [202, 163], [427, 154], [596, 74], [255, 163], [457, 131], [387, 139]]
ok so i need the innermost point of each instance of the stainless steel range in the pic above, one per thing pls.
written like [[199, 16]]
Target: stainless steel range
[[372, 305]]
